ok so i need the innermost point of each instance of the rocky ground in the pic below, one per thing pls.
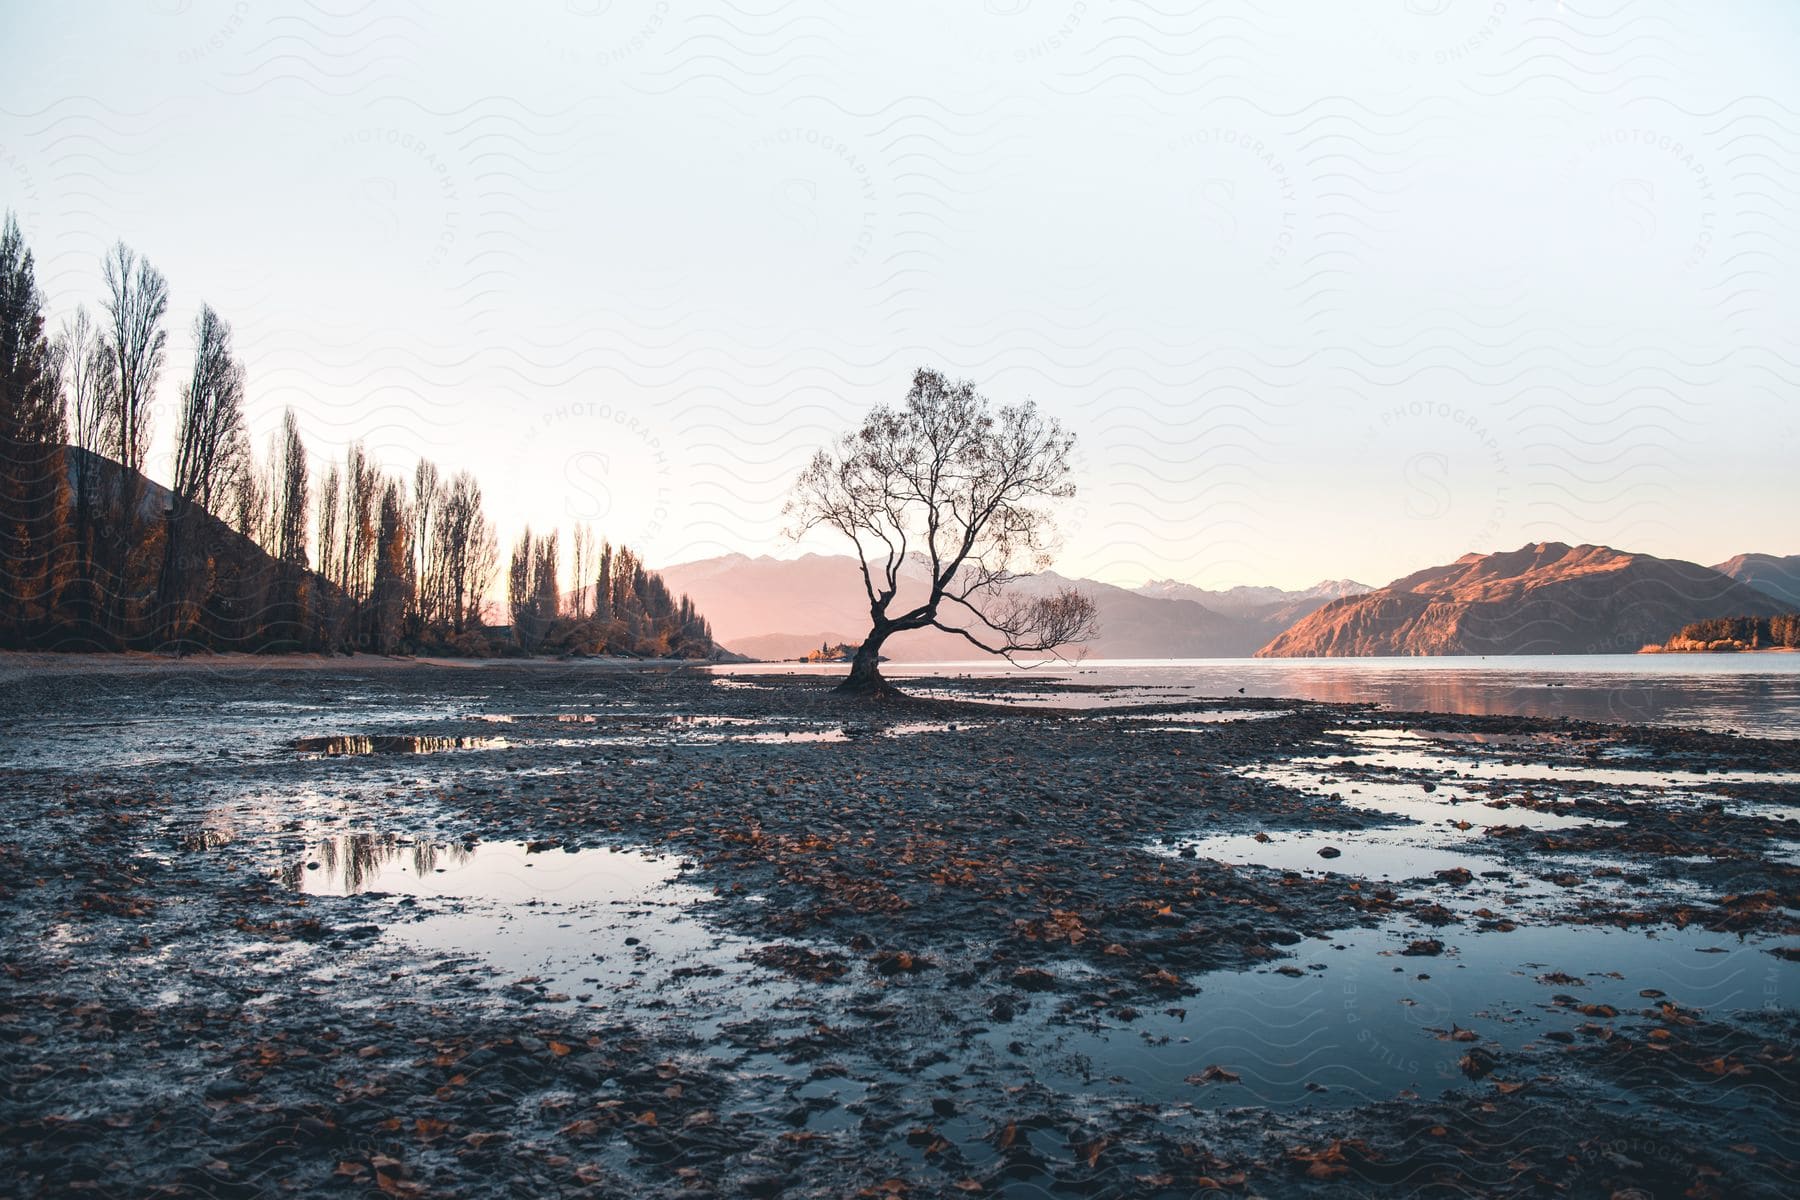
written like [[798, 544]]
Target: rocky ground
[[902, 949]]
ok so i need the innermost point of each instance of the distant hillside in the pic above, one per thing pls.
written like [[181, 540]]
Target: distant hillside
[[1269, 610], [237, 596], [1767, 573], [1548, 598], [1245, 601], [782, 608]]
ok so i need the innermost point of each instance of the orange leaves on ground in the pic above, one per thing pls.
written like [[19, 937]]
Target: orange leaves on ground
[[1060, 926], [1165, 980], [1724, 1065], [1331, 1162], [393, 1185]]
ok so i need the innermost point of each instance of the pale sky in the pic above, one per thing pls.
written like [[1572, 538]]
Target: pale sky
[[1339, 289]]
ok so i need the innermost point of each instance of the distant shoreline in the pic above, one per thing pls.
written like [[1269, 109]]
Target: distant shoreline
[[14, 663], [1720, 650]]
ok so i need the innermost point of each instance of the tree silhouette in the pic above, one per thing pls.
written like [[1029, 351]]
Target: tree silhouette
[[962, 485], [31, 440]]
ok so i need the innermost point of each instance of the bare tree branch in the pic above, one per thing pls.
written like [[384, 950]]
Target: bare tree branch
[[969, 485]]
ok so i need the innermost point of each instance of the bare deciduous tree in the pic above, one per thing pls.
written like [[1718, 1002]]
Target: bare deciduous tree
[[326, 526], [134, 340], [137, 298], [390, 596], [291, 493], [79, 355], [212, 420], [212, 415], [250, 503], [519, 593], [81, 362], [427, 492], [965, 487], [362, 495], [467, 551], [581, 561]]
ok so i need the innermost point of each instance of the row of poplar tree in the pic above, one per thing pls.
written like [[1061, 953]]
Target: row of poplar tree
[[249, 552]]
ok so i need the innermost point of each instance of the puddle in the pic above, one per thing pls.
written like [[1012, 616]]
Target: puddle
[[1211, 716], [598, 926], [1364, 1022], [910, 728], [1408, 798], [1409, 750], [355, 745], [1365, 853], [787, 735], [353, 863]]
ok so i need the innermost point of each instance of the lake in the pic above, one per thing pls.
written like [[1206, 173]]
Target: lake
[[1754, 694]]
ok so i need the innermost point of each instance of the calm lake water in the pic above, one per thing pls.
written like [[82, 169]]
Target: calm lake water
[[1755, 694]]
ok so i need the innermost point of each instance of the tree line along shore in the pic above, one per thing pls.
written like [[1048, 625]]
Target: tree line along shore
[[259, 552], [1734, 635]]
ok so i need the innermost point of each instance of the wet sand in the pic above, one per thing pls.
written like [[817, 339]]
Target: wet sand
[[571, 929]]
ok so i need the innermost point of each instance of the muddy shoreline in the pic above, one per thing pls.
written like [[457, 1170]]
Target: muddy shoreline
[[948, 947]]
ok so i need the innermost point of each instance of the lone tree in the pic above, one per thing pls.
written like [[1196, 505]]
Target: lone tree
[[964, 487]]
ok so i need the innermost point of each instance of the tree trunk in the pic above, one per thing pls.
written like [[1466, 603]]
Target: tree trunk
[[167, 626], [865, 669]]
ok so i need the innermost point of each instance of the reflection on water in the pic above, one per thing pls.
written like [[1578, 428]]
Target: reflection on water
[[1194, 720], [351, 745], [1355, 1019], [356, 862], [505, 872], [614, 929], [1409, 750], [1753, 694], [1387, 853]]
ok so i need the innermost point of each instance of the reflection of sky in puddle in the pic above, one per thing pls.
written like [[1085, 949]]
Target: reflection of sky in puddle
[[707, 729], [1365, 1027], [1365, 853], [355, 745], [1407, 750], [1195, 720], [574, 926], [1435, 838], [503, 872], [1406, 798]]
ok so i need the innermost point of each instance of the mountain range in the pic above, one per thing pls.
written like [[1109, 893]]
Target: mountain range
[[1771, 575], [774, 608], [1546, 598]]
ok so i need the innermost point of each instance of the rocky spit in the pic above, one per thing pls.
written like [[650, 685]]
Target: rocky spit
[[553, 929]]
